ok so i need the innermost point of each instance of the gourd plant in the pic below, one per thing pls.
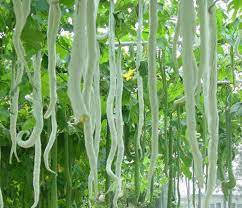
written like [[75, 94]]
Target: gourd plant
[[83, 89]]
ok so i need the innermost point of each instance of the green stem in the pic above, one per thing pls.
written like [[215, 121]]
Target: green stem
[[67, 172], [170, 165], [107, 182], [137, 172], [178, 155]]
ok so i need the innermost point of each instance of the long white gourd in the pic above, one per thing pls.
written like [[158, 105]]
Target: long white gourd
[[51, 141], [92, 57], [175, 41], [78, 62], [52, 31], [153, 22], [22, 11], [37, 109], [35, 137], [119, 127], [139, 78], [36, 173], [204, 40], [98, 113], [187, 33], [210, 105], [111, 97]]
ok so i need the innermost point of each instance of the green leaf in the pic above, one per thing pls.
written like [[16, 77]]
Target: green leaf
[[28, 124]]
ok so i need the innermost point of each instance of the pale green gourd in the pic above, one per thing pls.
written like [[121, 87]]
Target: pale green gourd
[[22, 11], [119, 127], [210, 105], [139, 78], [153, 23], [187, 33]]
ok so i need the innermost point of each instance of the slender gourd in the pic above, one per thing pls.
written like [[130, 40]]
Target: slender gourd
[[87, 88], [175, 42], [14, 115], [78, 62], [153, 91], [139, 78], [111, 96], [36, 174], [98, 114], [51, 141], [34, 139], [119, 127], [53, 25], [204, 40], [22, 11], [210, 104], [187, 33], [52, 30], [37, 108], [138, 147]]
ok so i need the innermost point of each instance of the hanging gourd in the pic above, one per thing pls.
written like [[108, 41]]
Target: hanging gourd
[[153, 23], [139, 78], [52, 30], [77, 62], [189, 80], [92, 57], [111, 97], [119, 127], [210, 105], [35, 137], [21, 11]]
